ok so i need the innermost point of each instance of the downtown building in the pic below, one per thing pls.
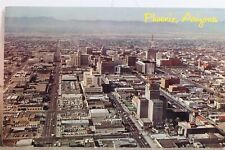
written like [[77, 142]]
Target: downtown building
[[131, 60], [151, 108], [145, 67], [78, 59]]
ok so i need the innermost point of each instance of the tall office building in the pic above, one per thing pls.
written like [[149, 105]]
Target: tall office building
[[75, 59], [84, 59], [142, 108], [140, 66], [155, 105], [152, 91], [151, 54], [145, 67], [131, 60], [155, 111], [159, 57], [149, 67]]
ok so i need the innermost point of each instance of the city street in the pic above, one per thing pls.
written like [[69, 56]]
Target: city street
[[51, 117], [135, 132]]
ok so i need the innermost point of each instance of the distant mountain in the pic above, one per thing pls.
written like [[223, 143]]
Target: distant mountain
[[51, 25]]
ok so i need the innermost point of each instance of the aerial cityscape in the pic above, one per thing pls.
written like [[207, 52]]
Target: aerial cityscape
[[111, 89]]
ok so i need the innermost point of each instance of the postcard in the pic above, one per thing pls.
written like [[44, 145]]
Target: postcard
[[98, 77]]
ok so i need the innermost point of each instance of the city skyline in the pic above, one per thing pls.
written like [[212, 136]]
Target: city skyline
[[111, 80]]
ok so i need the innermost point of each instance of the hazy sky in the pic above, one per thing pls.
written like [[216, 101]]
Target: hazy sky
[[119, 3], [113, 13]]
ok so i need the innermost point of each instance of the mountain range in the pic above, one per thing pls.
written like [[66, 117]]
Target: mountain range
[[51, 25]]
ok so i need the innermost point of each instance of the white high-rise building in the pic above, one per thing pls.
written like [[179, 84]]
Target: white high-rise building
[[159, 57], [155, 105], [149, 67], [145, 67], [75, 59]]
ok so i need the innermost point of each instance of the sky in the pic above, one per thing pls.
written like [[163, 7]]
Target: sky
[[119, 3], [110, 13]]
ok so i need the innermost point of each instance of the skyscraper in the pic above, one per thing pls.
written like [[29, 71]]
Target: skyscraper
[[151, 54], [149, 67], [152, 91], [142, 108], [84, 59], [75, 59], [155, 105], [131, 60], [155, 111]]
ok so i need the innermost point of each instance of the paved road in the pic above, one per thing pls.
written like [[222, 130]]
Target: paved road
[[51, 117], [134, 131]]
